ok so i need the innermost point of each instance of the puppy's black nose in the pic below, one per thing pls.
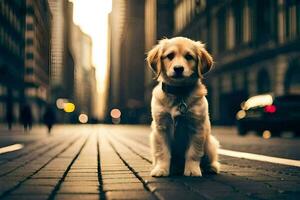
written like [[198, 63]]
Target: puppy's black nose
[[178, 69]]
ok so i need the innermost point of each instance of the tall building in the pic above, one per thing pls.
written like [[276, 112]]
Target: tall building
[[82, 52], [255, 45], [71, 59], [86, 56], [37, 55], [93, 98], [116, 22], [62, 61], [127, 59], [158, 25], [12, 37]]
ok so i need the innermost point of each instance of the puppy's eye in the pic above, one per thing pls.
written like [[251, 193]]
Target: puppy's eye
[[188, 57], [170, 56]]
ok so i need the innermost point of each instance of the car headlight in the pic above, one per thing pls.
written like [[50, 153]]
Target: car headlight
[[240, 115]]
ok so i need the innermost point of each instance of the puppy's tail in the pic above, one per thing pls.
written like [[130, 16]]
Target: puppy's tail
[[209, 162]]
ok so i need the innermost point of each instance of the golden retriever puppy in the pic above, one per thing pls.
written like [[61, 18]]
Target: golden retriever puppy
[[180, 109]]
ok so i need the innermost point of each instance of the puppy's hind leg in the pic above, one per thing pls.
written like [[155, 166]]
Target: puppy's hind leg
[[212, 164]]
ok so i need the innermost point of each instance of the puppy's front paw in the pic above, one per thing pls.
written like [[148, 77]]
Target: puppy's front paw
[[215, 167], [159, 171], [192, 169]]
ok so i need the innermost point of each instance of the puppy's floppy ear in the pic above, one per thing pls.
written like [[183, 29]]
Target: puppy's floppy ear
[[205, 60], [153, 59]]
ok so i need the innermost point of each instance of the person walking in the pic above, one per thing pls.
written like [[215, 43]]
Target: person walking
[[49, 117], [9, 119], [26, 117]]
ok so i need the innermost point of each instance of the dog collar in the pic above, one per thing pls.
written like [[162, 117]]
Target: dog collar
[[181, 92], [178, 90]]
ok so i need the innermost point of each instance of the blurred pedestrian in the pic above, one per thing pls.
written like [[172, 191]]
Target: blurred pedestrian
[[49, 117], [26, 117], [9, 119]]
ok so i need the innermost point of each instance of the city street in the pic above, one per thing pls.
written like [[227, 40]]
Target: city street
[[114, 162], [75, 64]]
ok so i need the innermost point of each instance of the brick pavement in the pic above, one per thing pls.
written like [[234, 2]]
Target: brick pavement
[[106, 162]]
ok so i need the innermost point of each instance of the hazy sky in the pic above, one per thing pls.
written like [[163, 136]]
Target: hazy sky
[[92, 17]]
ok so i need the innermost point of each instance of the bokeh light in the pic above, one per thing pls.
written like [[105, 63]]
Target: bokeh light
[[60, 103], [83, 118], [241, 114], [115, 115], [69, 107], [266, 134]]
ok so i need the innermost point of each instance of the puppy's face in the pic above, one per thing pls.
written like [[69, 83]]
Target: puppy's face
[[179, 60]]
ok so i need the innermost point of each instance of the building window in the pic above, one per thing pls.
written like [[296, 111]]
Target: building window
[[221, 17], [1, 5], [29, 27], [1, 35], [291, 18], [263, 82], [265, 20], [29, 70], [29, 41], [292, 77], [200, 5], [230, 28], [29, 56], [2, 111], [3, 90], [29, 10], [298, 17], [246, 22], [184, 13], [238, 16]]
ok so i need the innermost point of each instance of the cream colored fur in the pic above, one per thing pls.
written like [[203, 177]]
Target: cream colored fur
[[164, 107]]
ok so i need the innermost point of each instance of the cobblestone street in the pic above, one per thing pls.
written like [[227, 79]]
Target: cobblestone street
[[114, 162]]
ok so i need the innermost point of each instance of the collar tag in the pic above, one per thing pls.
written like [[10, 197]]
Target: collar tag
[[182, 107]]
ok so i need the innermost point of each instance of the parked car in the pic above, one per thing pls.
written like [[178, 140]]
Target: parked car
[[268, 112]]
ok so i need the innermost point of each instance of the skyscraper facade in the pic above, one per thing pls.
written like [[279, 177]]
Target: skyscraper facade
[[37, 56], [12, 41], [255, 45], [127, 71]]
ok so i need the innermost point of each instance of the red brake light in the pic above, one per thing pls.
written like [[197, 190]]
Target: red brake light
[[270, 109]]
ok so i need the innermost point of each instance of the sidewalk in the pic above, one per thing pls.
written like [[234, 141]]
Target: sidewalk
[[91, 162], [15, 127], [18, 128]]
